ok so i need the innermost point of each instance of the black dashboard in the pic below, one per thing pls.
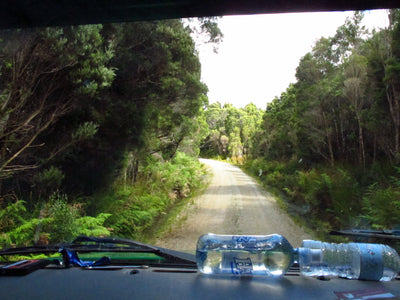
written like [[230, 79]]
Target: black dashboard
[[176, 283]]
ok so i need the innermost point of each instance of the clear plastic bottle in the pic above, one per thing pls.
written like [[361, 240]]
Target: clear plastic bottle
[[352, 260], [244, 255], [273, 255]]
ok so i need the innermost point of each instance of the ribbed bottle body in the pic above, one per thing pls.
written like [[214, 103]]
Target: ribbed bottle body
[[353, 260], [244, 255]]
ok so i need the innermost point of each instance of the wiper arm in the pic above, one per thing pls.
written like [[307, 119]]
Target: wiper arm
[[85, 244], [45, 249], [91, 244], [379, 234], [126, 245]]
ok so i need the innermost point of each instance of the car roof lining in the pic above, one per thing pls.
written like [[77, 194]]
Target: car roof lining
[[34, 13]]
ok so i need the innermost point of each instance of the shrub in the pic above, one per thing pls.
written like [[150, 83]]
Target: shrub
[[327, 195], [12, 215], [48, 180], [333, 196], [63, 226], [59, 222], [382, 206], [93, 226], [160, 185]]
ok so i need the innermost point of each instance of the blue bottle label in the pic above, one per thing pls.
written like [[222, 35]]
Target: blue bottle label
[[242, 266], [371, 264]]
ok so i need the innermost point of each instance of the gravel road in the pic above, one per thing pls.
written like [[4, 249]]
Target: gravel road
[[232, 204]]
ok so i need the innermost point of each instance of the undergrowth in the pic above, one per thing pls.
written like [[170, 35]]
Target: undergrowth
[[125, 210], [333, 198], [57, 221], [136, 209]]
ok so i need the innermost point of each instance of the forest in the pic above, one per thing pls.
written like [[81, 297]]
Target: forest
[[101, 127], [329, 145]]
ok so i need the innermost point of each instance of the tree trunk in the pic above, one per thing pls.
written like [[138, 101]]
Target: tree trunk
[[395, 114], [328, 138], [361, 144]]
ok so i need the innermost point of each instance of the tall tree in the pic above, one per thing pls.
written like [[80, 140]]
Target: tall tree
[[45, 74], [392, 74], [354, 89]]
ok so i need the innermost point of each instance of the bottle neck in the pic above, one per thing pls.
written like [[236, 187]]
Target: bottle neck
[[306, 257], [296, 255]]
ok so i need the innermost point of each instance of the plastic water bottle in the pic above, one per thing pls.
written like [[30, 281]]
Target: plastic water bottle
[[272, 255], [244, 255], [352, 260]]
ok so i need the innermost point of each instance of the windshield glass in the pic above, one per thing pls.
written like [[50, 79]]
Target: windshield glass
[[162, 131]]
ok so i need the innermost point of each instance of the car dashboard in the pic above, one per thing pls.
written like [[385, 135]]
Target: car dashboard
[[144, 282]]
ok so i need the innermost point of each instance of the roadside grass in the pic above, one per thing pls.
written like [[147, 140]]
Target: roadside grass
[[144, 209], [138, 211], [324, 198], [176, 215]]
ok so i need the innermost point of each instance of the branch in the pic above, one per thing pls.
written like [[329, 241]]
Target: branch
[[33, 138], [10, 170]]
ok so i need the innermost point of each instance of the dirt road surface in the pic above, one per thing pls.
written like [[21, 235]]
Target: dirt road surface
[[232, 204]]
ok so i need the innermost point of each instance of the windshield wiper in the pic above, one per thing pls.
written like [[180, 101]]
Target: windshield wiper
[[93, 244], [85, 244], [378, 234], [42, 249], [88, 244]]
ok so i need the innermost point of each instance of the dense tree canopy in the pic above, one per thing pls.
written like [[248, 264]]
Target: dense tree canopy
[[344, 105], [330, 143], [80, 104], [231, 130], [84, 107]]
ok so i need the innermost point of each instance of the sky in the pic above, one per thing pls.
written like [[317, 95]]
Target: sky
[[259, 54]]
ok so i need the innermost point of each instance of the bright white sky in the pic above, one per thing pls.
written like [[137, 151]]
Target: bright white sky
[[258, 57]]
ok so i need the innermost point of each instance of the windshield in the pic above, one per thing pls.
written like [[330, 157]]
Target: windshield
[[162, 131]]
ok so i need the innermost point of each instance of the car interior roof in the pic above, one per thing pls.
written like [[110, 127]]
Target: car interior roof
[[33, 13]]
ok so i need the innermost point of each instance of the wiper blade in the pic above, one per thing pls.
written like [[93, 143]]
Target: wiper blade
[[126, 245], [45, 249], [93, 243], [379, 234], [84, 244]]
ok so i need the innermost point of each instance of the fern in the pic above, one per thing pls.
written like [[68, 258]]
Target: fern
[[93, 226]]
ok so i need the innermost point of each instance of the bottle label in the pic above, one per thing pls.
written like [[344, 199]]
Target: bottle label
[[371, 264], [242, 266], [248, 242]]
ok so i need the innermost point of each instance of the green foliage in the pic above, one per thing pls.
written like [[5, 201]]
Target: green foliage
[[49, 179], [382, 206], [330, 141], [24, 234], [231, 131], [90, 94], [47, 74], [12, 215], [343, 98], [16, 229], [85, 130], [59, 222], [81, 109], [63, 225], [160, 186], [93, 226], [326, 195]]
